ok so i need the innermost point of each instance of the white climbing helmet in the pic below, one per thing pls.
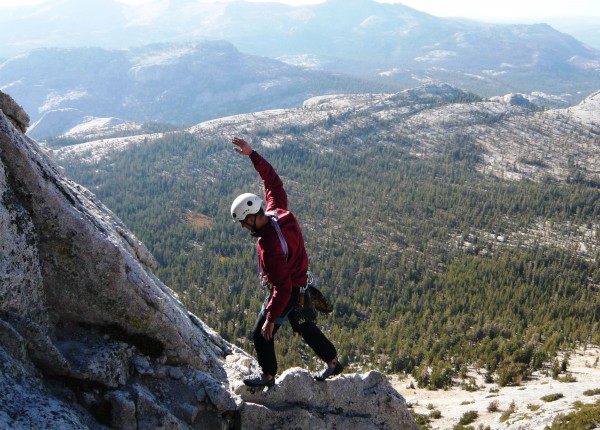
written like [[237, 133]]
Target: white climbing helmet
[[244, 205]]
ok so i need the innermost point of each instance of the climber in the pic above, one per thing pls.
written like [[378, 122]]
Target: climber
[[283, 271]]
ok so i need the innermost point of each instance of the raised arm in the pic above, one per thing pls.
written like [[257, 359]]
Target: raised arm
[[275, 195]]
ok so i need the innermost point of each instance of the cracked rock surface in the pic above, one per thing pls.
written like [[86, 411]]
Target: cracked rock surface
[[358, 402]]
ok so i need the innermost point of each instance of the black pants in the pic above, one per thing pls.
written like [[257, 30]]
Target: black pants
[[312, 335]]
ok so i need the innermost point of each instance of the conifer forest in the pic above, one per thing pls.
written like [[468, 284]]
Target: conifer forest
[[431, 265]]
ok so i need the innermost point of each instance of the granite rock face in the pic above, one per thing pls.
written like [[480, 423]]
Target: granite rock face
[[358, 402], [91, 339], [79, 308]]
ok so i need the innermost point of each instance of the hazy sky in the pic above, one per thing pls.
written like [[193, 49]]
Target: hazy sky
[[494, 9]]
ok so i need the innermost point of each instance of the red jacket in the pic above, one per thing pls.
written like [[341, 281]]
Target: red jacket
[[282, 275]]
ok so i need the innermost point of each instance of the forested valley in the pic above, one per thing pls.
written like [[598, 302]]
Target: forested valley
[[428, 262]]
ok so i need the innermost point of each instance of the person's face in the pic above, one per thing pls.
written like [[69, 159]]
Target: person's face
[[248, 223]]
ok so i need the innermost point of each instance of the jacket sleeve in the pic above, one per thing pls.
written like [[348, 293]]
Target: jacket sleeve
[[275, 195]]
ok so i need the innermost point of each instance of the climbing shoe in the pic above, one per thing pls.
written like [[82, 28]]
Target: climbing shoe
[[330, 371], [259, 381]]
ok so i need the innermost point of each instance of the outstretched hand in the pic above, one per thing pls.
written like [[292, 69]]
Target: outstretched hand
[[242, 146]]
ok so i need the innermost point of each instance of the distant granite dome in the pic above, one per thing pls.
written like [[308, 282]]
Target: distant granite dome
[[91, 339], [588, 111], [514, 100]]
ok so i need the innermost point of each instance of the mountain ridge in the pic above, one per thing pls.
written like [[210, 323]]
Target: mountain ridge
[[181, 84], [385, 45], [414, 113]]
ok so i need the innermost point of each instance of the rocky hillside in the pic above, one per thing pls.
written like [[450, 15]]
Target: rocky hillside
[[91, 339], [504, 137], [508, 137]]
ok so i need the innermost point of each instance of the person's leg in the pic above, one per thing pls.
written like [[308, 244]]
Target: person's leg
[[265, 349], [315, 338], [322, 346]]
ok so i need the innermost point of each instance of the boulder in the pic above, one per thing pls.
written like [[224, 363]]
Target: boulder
[[358, 402], [14, 112]]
